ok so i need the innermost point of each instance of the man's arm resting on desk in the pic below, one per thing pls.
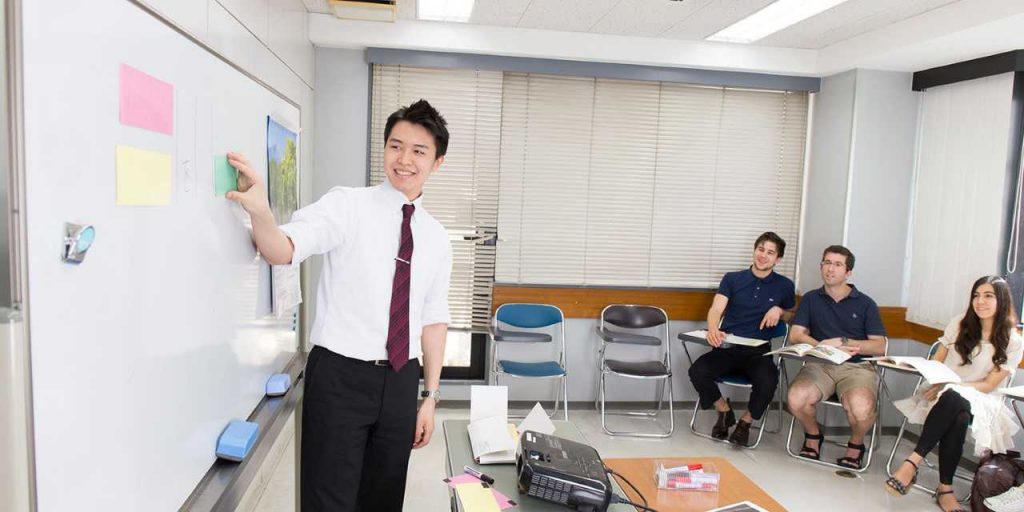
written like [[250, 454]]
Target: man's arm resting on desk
[[715, 336], [433, 341], [873, 346]]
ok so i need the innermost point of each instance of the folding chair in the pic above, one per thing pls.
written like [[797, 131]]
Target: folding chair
[[834, 401], [629, 321], [960, 475], [531, 324], [741, 381]]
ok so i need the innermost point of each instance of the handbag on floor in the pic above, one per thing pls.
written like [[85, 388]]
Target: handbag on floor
[[996, 473]]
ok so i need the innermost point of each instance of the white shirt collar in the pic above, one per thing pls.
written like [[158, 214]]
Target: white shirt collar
[[395, 198]]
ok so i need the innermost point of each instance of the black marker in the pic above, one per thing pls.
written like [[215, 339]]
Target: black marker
[[478, 474]]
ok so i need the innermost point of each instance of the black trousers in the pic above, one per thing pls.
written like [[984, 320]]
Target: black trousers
[[946, 426], [748, 361], [358, 421]]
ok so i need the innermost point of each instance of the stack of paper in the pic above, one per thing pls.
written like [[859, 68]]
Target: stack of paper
[[492, 438], [459, 483]]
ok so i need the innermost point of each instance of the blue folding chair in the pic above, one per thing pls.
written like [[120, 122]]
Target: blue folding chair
[[530, 323], [741, 381]]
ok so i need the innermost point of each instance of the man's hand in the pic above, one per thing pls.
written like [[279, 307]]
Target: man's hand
[[849, 349], [771, 318], [715, 336], [252, 192], [424, 424], [832, 342], [932, 392]]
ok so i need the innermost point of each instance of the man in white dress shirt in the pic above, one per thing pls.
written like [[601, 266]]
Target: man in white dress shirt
[[382, 302]]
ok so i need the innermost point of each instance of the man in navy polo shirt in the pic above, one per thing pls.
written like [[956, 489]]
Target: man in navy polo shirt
[[749, 303], [837, 315]]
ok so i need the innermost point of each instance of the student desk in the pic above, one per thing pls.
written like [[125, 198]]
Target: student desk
[[734, 486], [460, 454]]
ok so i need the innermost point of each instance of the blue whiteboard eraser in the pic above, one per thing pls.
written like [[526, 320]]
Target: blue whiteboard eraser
[[278, 384], [237, 439]]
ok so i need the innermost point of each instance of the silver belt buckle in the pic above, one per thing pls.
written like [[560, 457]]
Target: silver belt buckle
[[381, 362]]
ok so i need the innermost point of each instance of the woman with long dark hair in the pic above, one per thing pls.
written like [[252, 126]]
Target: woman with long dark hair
[[984, 348]]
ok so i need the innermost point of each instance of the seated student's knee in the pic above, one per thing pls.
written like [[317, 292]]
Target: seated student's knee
[[860, 404], [700, 369], [803, 393]]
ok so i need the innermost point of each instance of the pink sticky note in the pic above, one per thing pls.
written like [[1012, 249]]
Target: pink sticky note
[[146, 102], [503, 501]]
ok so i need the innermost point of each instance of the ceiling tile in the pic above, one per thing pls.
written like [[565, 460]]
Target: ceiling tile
[[568, 15], [646, 18], [847, 20], [498, 12], [714, 17]]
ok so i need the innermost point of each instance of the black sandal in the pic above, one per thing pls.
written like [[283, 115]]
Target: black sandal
[[940, 493], [851, 462], [896, 488], [810, 453]]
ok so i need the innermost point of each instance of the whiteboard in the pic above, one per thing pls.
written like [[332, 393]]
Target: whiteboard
[[143, 353]]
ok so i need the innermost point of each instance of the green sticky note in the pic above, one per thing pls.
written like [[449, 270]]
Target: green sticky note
[[225, 177]]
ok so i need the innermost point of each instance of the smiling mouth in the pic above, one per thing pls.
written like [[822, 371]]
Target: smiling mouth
[[404, 174]]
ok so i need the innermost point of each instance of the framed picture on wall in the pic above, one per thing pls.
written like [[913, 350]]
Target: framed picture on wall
[[282, 187]]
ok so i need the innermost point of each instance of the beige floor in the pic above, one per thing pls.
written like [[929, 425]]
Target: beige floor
[[797, 485]]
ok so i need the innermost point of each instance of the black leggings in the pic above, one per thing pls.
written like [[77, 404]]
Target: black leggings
[[946, 426]]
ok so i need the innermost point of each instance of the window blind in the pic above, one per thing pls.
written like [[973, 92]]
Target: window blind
[[633, 183], [959, 185], [463, 194]]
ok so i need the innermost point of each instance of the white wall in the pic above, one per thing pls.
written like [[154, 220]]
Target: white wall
[[827, 174], [860, 178], [881, 167], [343, 103]]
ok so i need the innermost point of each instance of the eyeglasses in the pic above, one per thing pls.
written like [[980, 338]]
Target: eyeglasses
[[834, 264]]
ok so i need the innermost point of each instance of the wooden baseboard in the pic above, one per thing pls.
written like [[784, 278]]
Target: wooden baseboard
[[679, 304]]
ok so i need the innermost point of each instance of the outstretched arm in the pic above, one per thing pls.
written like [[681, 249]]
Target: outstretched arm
[[273, 244]]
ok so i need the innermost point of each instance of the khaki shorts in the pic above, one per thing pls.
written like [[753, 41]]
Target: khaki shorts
[[840, 378]]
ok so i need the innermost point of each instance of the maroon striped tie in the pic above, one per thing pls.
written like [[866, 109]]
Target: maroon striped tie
[[398, 327]]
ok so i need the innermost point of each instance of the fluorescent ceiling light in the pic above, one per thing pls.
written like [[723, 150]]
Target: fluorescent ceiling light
[[444, 10], [770, 20]]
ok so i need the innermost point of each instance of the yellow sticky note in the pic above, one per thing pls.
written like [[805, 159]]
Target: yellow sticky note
[[476, 498], [143, 177]]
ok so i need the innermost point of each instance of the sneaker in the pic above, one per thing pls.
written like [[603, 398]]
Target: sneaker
[[721, 428], [1009, 501], [741, 435]]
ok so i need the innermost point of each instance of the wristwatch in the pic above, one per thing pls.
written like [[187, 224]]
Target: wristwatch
[[435, 394]]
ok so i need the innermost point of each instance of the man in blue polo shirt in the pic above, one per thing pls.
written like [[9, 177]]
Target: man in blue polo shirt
[[749, 303], [837, 315]]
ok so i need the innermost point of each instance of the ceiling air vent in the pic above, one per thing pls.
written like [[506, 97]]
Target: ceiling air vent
[[365, 10]]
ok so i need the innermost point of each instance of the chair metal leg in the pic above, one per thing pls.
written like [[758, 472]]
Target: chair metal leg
[[565, 395], [654, 415]]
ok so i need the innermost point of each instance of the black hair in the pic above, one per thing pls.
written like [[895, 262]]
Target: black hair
[[768, 236], [838, 249], [421, 113]]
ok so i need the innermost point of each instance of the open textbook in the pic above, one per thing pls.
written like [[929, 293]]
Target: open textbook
[[933, 371], [826, 352], [492, 438], [730, 339]]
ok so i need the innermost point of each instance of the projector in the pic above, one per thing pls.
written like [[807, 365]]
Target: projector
[[561, 471]]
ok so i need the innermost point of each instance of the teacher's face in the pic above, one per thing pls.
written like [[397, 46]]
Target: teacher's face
[[409, 158]]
